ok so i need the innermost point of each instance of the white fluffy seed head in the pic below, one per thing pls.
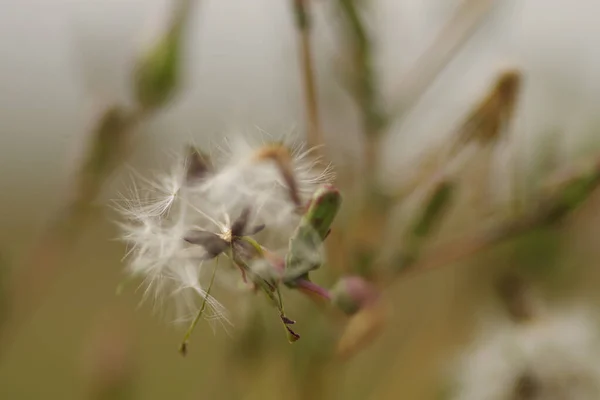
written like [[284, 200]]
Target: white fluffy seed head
[[551, 358], [248, 176], [158, 213]]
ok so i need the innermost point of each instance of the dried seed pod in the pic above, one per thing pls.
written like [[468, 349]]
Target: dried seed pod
[[491, 116]]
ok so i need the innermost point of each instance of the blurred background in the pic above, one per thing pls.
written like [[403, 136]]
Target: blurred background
[[64, 61]]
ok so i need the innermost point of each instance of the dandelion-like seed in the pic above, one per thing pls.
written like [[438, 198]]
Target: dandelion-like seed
[[180, 226], [554, 357]]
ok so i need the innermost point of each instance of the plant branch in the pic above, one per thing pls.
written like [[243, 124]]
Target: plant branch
[[564, 195]]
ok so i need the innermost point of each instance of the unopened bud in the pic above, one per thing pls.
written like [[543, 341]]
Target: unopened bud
[[157, 73], [353, 293], [305, 245], [322, 209]]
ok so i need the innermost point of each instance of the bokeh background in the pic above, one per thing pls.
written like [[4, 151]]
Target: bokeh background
[[61, 60]]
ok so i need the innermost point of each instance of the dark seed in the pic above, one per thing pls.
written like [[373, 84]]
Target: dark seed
[[212, 243], [239, 225], [198, 165]]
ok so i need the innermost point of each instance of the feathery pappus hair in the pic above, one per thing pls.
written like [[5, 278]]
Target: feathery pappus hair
[[178, 224]]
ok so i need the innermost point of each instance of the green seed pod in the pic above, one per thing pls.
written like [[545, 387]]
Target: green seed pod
[[305, 245]]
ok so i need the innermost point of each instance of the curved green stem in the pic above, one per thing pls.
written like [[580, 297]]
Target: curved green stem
[[186, 338]]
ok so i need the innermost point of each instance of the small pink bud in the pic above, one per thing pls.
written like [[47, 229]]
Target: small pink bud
[[353, 293]]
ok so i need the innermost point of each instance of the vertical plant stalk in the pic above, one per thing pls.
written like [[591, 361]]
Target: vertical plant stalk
[[364, 84], [302, 15], [366, 222]]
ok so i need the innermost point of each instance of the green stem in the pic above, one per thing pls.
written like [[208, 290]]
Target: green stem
[[254, 244], [366, 88], [186, 338]]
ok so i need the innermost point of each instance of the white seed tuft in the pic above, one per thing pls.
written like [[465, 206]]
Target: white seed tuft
[[268, 179]]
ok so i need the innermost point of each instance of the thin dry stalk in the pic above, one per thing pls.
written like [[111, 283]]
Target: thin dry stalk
[[314, 133], [447, 43]]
